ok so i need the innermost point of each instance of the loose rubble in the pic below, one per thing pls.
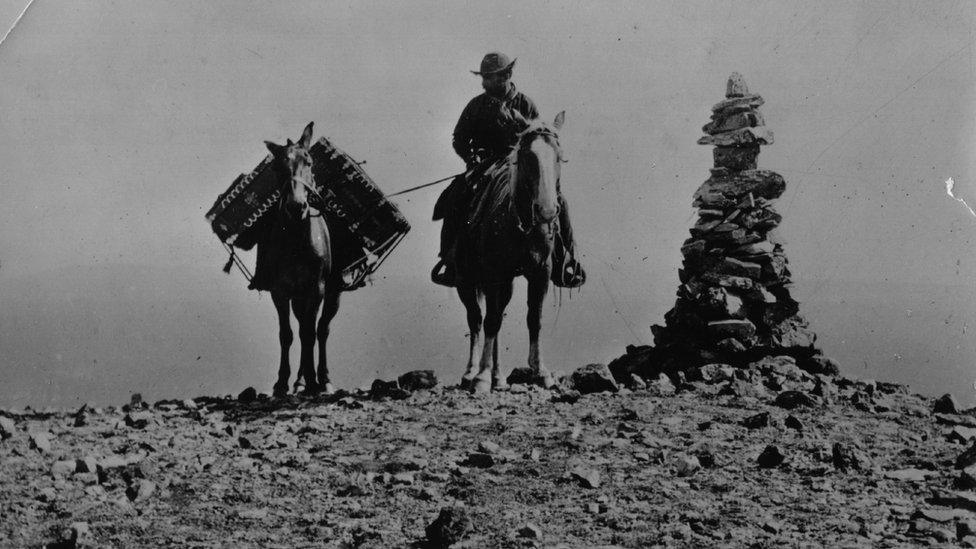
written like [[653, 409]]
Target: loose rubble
[[705, 463]]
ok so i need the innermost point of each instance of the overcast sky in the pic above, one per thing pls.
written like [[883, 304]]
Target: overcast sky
[[122, 121]]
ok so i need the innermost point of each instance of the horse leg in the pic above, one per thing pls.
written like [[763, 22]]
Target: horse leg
[[330, 306], [307, 311], [497, 382], [538, 288], [470, 299], [285, 338], [497, 297]]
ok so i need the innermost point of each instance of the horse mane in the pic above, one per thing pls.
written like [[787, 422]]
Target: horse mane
[[495, 211]]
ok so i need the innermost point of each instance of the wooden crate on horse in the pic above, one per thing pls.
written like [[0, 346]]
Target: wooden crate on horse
[[347, 196], [350, 197]]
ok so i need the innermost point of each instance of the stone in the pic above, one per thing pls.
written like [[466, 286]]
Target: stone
[[954, 419], [794, 399], [725, 192], [706, 458], [820, 365], [846, 457], [961, 434], [715, 373], [46, 495], [733, 104], [958, 500], [404, 478], [946, 404], [636, 383], [569, 397], [783, 365], [451, 526], [791, 422], [730, 345], [770, 457], [41, 442], [418, 380], [7, 428], [909, 475], [763, 248], [793, 333], [966, 479], [967, 458], [722, 303], [137, 420], [736, 267], [736, 159], [743, 136], [525, 376], [140, 490], [734, 328], [662, 385], [757, 421], [387, 389], [734, 121], [686, 465], [744, 389], [480, 460], [638, 359], [62, 468], [530, 531], [694, 248], [965, 527], [736, 86], [88, 464], [587, 478], [248, 395], [593, 378]]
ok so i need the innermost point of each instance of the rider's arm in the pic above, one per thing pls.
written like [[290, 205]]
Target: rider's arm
[[463, 133]]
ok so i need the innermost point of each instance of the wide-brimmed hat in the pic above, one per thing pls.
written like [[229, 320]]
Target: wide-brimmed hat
[[495, 62]]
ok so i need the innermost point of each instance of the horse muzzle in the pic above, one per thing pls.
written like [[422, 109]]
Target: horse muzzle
[[296, 210]]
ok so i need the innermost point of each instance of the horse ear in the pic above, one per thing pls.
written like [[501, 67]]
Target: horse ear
[[560, 118], [275, 148], [288, 143], [306, 138]]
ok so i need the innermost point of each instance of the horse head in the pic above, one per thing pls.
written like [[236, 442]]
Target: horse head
[[538, 157], [293, 164]]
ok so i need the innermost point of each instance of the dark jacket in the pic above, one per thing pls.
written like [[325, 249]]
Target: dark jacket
[[485, 128]]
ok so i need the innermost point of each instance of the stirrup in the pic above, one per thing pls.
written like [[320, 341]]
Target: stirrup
[[443, 274], [571, 275]]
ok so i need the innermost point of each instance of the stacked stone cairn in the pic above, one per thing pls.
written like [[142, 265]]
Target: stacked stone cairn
[[733, 305]]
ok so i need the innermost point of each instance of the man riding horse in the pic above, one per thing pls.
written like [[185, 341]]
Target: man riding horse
[[486, 132]]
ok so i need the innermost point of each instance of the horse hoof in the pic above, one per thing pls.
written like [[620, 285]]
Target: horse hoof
[[311, 389], [280, 391], [481, 386], [499, 385], [465, 384], [547, 381], [328, 389]]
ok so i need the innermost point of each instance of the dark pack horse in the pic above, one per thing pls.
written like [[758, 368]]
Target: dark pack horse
[[307, 273], [511, 234]]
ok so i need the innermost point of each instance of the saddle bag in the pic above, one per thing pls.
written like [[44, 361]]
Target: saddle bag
[[347, 196]]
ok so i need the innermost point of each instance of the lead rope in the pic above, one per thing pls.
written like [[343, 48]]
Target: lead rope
[[235, 260]]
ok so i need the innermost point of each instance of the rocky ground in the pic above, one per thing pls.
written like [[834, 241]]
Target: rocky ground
[[766, 456]]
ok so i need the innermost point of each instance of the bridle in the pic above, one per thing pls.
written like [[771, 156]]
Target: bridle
[[524, 140]]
